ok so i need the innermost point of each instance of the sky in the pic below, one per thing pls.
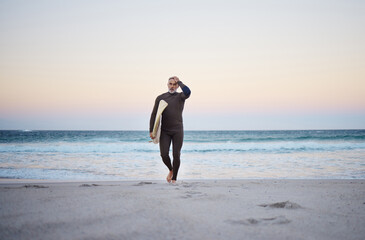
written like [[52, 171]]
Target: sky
[[250, 65]]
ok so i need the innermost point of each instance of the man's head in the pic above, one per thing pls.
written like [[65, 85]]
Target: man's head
[[172, 84]]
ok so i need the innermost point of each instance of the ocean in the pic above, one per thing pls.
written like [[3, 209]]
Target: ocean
[[128, 155]]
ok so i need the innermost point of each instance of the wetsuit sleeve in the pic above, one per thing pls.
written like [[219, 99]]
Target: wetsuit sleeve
[[185, 89], [153, 114]]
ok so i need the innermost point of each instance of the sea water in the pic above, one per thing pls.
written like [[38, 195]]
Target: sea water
[[128, 155]]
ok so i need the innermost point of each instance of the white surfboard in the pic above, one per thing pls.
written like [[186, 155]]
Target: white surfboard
[[157, 126]]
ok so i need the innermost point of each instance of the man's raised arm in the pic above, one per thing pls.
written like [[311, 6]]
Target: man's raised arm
[[183, 87]]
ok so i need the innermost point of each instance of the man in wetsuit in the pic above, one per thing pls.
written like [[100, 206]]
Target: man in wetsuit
[[172, 125]]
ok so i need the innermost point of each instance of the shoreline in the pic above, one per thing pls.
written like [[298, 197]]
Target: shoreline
[[190, 209], [5, 180]]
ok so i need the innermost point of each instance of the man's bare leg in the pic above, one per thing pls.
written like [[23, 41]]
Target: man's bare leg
[[169, 176]]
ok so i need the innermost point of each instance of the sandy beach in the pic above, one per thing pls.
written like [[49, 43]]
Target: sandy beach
[[191, 209]]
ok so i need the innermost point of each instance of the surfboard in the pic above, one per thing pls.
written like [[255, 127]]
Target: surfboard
[[157, 126]]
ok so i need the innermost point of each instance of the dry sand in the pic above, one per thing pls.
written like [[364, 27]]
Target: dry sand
[[201, 209]]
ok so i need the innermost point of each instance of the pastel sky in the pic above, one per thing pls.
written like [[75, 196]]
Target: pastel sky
[[251, 65]]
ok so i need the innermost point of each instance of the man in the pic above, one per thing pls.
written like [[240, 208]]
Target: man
[[172, 125]]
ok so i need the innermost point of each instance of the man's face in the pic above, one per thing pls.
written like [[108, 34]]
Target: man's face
[[172, 85]]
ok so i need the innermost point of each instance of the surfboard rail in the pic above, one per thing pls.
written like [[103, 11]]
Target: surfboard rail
[[156, 132]]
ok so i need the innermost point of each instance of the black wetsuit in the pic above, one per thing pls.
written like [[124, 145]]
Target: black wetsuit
[[171, 126]]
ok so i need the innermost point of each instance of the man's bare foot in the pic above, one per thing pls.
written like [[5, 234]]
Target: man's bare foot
[[173, 181], [169, 176]]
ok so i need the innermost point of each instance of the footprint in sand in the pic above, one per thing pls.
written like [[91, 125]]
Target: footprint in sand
[[143, 183], [286, 205], [260, 221], [190, 194], [89, 185], [27, 186], [35, 186]]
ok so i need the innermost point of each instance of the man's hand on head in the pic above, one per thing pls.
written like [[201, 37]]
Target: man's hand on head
[[176, 79]]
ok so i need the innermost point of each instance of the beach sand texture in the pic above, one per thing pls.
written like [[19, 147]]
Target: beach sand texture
[[191, 209]]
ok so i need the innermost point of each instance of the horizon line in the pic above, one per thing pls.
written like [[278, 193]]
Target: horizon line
[[217, 130]]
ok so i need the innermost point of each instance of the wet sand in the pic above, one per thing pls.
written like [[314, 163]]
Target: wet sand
[[191, 209]]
